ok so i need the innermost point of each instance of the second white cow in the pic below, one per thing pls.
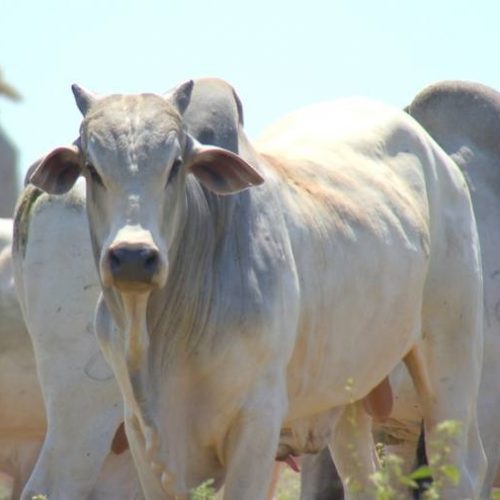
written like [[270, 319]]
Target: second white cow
[[464, 118]]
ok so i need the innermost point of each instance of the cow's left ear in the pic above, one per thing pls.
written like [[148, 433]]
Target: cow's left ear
[[58, 171], [220, 170]]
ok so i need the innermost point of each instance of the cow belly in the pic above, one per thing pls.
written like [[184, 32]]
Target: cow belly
[[326, 379], [354, 329]]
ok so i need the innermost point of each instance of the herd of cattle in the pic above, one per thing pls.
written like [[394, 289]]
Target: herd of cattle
[[238, 303]]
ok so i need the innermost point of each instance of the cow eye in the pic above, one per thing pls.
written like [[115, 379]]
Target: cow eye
[[93, 174], [174, 169]]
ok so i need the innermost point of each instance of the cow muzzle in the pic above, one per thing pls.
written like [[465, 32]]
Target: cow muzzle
[[132, 267]]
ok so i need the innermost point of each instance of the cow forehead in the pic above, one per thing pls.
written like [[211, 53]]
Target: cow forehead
[[141, 123]]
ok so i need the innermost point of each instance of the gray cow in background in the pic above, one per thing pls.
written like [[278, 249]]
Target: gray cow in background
[[8, 160], [8, 176]]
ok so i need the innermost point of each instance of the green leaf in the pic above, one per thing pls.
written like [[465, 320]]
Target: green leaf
[[452, 473], [495, 495], [407, 481], [423, 472], [204, 491]]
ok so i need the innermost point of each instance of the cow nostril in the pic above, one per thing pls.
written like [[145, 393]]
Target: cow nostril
[[114, 260], [151, 261]]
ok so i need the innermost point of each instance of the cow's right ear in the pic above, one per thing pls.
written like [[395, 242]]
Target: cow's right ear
[[58, 171]]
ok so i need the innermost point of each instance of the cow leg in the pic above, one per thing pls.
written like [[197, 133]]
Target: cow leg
[[252, 443], [450, 352], [446, 369], [353, 451], [451, 395], [74, 449], [319, 479], [118, 479], [278, 467]]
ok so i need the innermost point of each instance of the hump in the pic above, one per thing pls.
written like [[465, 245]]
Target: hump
[[214, 114], [458, 112]]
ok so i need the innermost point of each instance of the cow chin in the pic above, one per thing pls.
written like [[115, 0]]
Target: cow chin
[[134, 287], [128, 286]]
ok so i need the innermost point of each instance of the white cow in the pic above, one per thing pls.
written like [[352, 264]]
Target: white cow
[[464, 118], [22, 417], [59, 308], [242, 318], [82, 404]]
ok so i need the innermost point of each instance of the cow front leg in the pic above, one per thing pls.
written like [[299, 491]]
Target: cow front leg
[[353, 452], [252, 444]]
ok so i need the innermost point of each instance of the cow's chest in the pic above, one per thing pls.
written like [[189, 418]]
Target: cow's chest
[[197, 406]]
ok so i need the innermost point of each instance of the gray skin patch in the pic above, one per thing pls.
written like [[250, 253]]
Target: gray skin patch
[[97, 369], [22, 218]]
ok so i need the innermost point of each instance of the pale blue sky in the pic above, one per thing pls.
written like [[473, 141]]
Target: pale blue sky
[[278, 55]]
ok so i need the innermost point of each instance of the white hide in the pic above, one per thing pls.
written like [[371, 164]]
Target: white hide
[[58, 288], [22, 419], [464, 118]]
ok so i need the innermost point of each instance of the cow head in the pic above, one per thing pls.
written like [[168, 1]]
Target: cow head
[[136, 156]]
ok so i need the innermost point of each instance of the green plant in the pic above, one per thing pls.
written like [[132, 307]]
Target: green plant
[[390, 479], [288, 486], [205, 491], [443, 473], [495, 495]]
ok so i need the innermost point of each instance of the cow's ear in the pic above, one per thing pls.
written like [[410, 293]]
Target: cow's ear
[[180, 96], [220, 170], [58, 171]]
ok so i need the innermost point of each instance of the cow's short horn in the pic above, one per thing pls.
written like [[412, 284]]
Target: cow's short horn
[[84, 99]]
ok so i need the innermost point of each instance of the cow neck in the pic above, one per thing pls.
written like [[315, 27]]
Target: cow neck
[[180, 314], [184, 313]]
